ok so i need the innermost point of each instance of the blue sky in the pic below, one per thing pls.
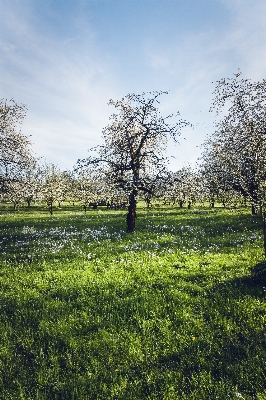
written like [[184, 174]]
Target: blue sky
[[66, 59]]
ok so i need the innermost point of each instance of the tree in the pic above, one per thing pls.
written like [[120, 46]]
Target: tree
[[217, 181], [15, 153], [24, 189], [134, 145], [91, 185], [53, 186], [184, 186], [239, 141]]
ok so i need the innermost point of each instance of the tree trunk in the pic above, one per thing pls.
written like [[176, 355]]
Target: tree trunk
[[253, 209], [264, 231], [50, 207], [85, 207], [131, 215], [148, 202]]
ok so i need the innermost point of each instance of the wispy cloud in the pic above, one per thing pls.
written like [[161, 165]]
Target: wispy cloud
[[198, 59], [66, 75], [65, 86]]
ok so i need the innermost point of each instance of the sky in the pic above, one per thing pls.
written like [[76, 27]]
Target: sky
[[65, 59]]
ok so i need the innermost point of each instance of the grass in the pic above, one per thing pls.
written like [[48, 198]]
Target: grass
[[176, 310]]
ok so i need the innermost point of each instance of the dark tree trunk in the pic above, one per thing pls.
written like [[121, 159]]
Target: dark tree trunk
[[131, 215], [85, 207], [148, 202], [28, 202], [264, 231], [50, 207], [253, 194], [189, 205]]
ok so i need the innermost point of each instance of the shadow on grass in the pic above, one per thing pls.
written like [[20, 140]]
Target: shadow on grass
[[233, 347], [259, 273], [253, 284], [227, 348]]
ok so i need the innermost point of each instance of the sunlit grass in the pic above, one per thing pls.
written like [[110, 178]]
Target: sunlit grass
[[174, 311]]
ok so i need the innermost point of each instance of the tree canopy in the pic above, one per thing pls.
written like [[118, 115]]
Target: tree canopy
[[236, 151], [134, 145], [15, 152]]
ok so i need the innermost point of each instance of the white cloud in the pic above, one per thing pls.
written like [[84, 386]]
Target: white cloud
[[248, 36], [66, 88], [67, 79], [200, 58]]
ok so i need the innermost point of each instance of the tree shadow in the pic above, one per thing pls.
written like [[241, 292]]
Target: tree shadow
[[253, 284], [232, 348], [257, 278]]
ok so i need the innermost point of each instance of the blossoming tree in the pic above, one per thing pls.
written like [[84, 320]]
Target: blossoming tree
[[239, 142], [134, 146]]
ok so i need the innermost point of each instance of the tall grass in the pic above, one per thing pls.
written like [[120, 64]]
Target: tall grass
[[173, 311]]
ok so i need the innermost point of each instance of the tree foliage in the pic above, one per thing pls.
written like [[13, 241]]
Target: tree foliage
[[53, 185], [237, 149], [134, 146], [15, 152]]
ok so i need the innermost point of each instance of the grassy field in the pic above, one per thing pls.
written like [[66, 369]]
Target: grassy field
[[176, 310]]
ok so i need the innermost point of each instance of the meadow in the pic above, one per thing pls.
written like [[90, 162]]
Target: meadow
[[176, 310]]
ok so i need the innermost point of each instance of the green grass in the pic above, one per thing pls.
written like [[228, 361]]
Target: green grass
[[176, 310]]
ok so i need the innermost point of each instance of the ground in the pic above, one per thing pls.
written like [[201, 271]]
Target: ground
[[175, 310]]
